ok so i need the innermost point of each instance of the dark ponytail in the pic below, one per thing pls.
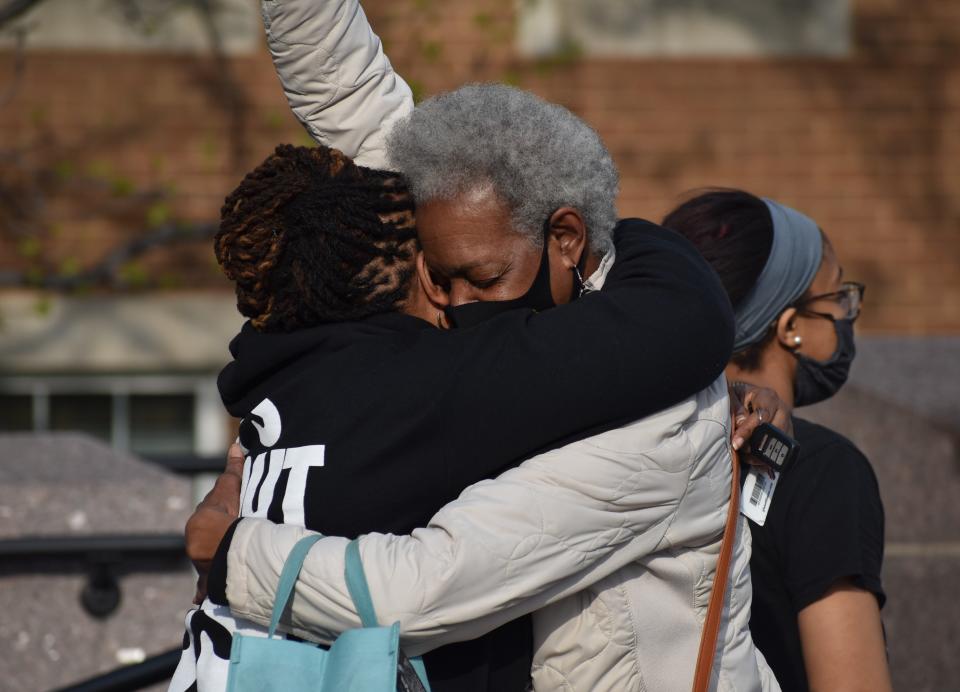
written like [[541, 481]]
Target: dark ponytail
[[733, 230]]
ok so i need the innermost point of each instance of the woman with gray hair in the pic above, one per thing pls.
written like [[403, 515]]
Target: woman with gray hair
[[508, 188], [536, 155]]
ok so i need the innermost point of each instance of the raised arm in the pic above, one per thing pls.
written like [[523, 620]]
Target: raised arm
[[338, 81], [506, 547]]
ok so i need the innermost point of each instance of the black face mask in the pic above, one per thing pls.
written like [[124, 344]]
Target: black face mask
[[538, 297], [818, 380]]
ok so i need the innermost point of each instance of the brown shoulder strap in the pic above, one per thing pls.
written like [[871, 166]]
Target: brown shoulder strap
[[711, 626]]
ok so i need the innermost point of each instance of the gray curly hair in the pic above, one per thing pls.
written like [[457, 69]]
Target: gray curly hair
[[537, 156]]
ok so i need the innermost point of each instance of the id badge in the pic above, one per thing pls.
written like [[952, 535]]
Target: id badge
[[757, 494]]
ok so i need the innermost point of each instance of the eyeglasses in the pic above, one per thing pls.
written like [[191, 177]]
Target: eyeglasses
[[849, 298]]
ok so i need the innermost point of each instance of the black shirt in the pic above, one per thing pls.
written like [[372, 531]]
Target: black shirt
[[410, 415], [825, 524]]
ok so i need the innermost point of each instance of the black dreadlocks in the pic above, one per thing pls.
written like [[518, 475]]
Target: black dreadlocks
[[310, 237]]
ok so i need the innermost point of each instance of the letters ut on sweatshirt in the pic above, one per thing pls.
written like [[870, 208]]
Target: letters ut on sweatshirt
[[260, 473]]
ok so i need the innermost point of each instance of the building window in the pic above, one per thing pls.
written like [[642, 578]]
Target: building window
[[685, 27], [86, 413], [152, 416], [161, 424], [16, 412]]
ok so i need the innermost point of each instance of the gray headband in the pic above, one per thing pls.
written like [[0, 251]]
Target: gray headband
[[793, 262]]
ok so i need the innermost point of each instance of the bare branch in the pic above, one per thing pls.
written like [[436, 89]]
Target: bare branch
[[11, 9], [224, 84], [43, 168], [107, 271], [19, 66]]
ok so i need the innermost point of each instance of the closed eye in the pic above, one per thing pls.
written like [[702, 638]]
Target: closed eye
[[490, 281], [486, 283]]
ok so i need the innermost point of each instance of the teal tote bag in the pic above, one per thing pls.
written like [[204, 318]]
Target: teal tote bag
[[360, 660]]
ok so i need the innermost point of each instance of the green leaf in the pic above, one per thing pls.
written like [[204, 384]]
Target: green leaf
[[483, 20], [273, 120], [169, 280], [567, 54], [34, 276], [64, 170], [99, 169], [43, 305], [418, 90], [158, 214], [122, 187], [38, 116], [133, 274], [210, 148], [512, 77], [29, 247], [431, 50], [70, 267]]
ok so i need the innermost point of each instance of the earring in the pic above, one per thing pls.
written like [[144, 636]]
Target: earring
[[797, 340], [583, 286]]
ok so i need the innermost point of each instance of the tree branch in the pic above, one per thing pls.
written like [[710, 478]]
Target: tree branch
[[106, 272], [226, 88], [19, 67], [11, 9]]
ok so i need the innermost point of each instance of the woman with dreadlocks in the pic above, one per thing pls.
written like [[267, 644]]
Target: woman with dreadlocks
[[359, 416]]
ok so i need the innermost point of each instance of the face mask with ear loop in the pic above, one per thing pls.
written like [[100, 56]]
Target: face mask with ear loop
[[817, 380], [538, 297]]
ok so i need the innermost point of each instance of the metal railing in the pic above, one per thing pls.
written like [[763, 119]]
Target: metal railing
[[30, 549], [104, 558], [128, 678]]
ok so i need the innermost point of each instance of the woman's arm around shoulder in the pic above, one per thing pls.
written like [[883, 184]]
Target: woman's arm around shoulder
[[660, 331], [504, 548]]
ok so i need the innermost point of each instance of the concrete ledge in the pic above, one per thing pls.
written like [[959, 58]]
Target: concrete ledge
[[110, 334]]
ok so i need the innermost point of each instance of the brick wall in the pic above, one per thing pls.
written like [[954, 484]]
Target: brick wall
[[868, 145]]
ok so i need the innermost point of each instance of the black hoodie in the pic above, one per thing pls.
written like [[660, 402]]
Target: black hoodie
[[403, 416]]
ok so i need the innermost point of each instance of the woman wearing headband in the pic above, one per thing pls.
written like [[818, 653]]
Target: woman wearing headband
[[817, 551]]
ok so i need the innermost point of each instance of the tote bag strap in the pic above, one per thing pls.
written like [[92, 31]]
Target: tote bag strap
[[359, 590], [288, 577], [711, 626], [357, 585]]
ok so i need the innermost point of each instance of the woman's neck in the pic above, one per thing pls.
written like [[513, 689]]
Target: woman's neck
[[774, 372]]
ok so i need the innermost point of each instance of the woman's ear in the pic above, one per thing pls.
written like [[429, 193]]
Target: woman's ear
[[569, 230], [436, 294], [788, 333]]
